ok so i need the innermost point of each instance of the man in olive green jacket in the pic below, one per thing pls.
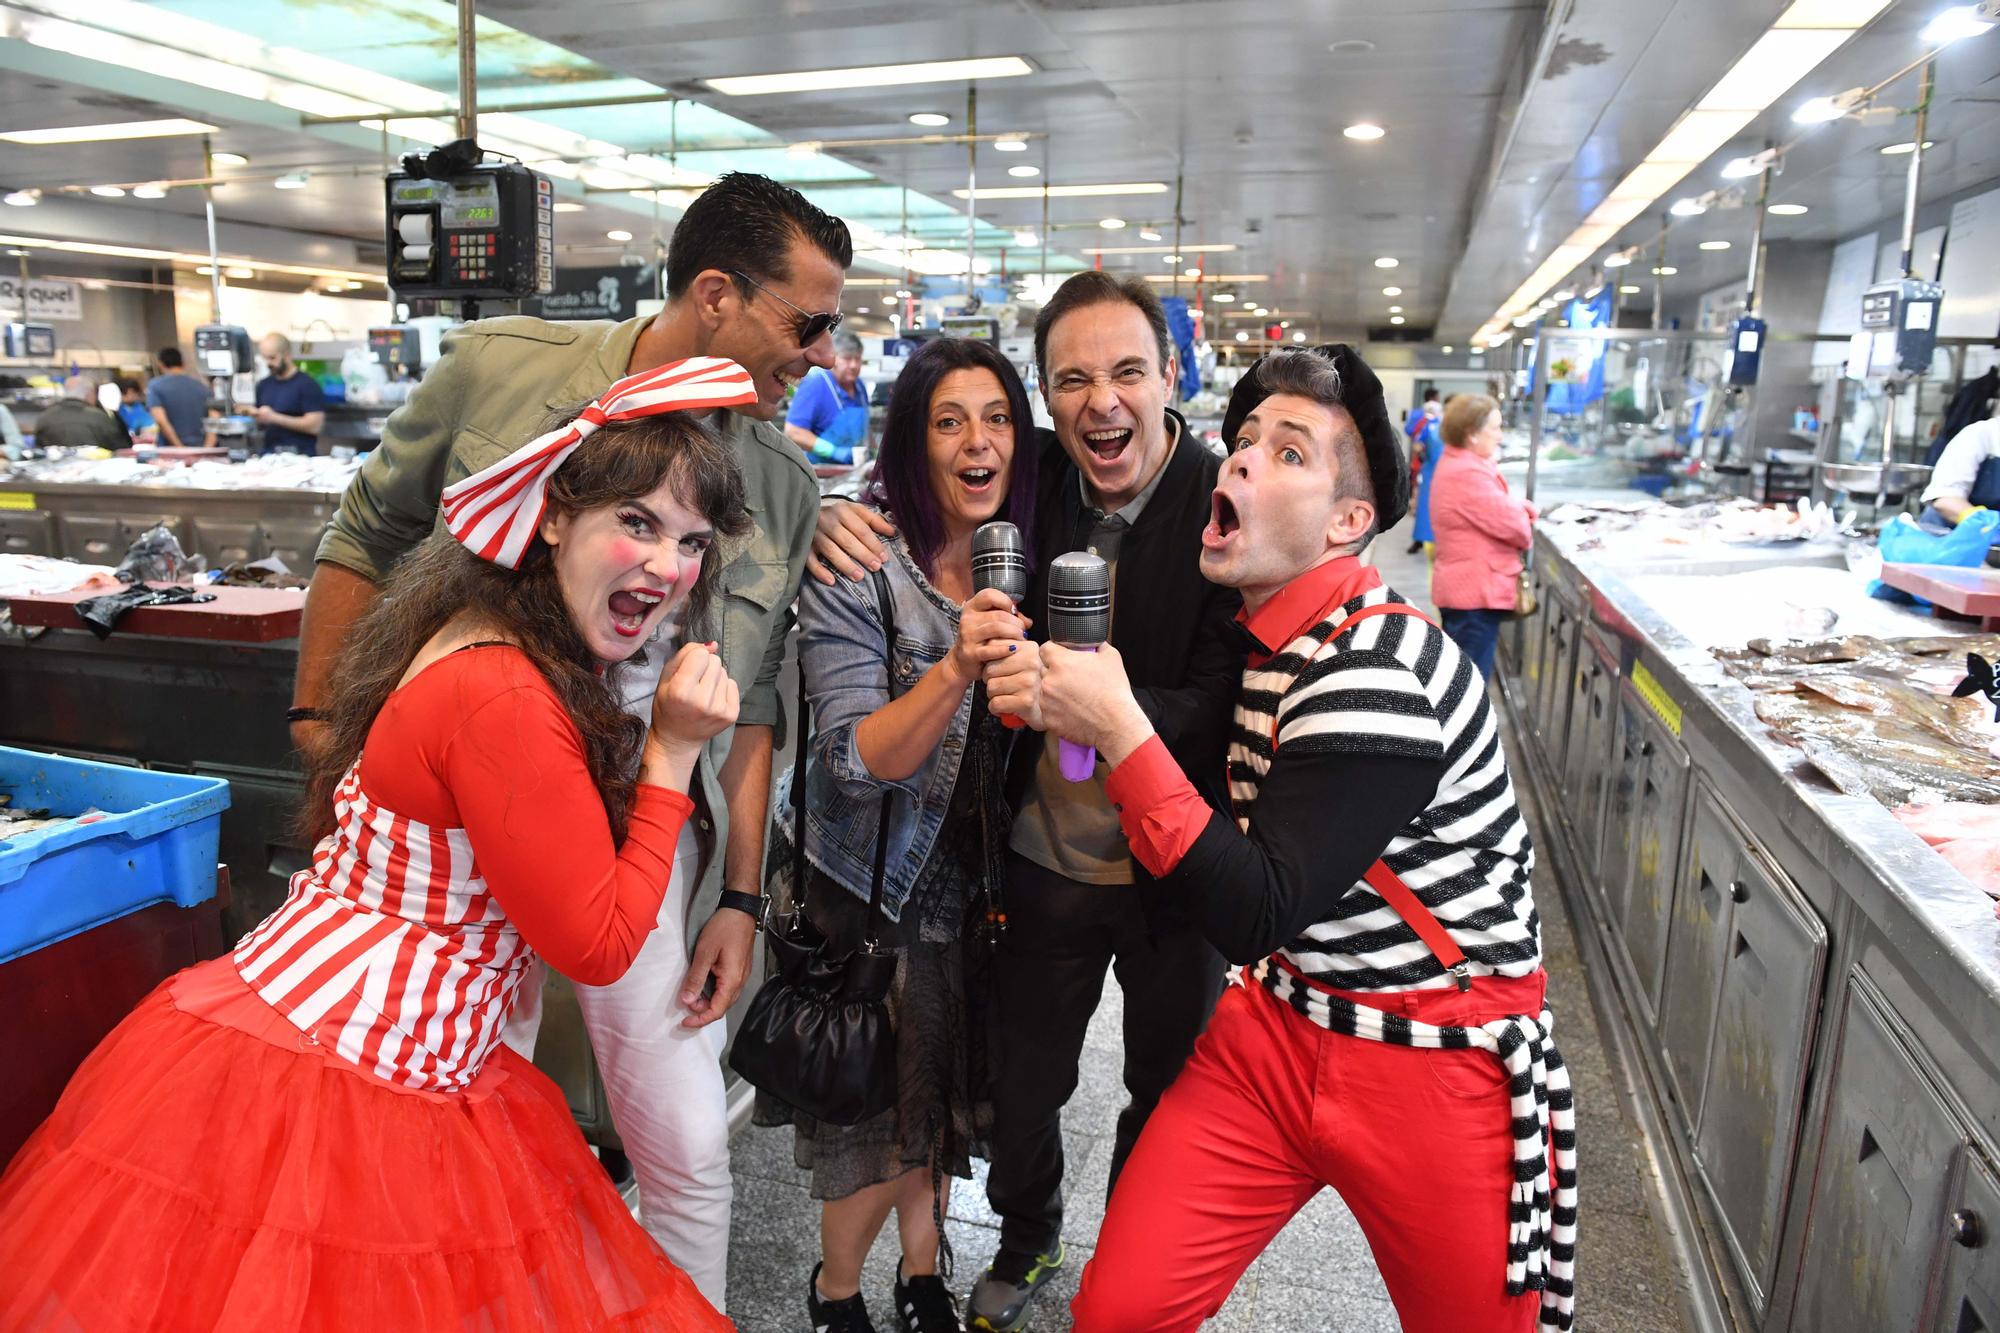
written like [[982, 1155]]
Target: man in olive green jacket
[[754, 273]]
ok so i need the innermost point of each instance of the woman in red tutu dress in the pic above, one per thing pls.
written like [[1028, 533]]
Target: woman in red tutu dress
[[322, 1130]]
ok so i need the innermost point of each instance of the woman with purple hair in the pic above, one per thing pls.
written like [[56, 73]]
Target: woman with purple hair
[[958, 451]]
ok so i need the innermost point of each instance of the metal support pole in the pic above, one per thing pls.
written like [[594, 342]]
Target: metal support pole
[[971, 188], [214, 247], [1539, 393], [1757, 241], [1045, 214], [1180, 179], [1659, 280], [1916, 175], [468, 73]]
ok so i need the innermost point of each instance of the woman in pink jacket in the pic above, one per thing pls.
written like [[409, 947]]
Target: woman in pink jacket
[[1481, 531]]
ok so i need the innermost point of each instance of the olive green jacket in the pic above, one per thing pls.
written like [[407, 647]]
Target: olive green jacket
[[495, 389]]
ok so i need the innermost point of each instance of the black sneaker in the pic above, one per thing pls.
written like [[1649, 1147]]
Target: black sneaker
[[1415, 547], [848, 1316], [1001, 1297], [925, 1305]]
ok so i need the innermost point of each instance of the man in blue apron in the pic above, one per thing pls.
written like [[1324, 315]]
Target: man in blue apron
[[1967, 476], [829, 413]]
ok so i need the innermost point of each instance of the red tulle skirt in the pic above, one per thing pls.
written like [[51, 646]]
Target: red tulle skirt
[[208, 1169]]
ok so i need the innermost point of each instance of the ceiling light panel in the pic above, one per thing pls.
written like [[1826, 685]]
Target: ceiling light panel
[[130, 129], [871, 76], [1062, 191], [1213, 248]]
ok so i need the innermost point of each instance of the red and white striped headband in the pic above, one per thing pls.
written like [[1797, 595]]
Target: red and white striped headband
[[496, 510]]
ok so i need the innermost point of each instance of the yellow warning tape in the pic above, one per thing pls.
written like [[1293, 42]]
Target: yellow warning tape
[[1656, 698]]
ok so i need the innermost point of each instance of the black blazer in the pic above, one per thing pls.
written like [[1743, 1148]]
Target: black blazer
[[1176, 631]]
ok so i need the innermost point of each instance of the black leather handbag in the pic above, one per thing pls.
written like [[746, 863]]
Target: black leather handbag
[[818, 1036]]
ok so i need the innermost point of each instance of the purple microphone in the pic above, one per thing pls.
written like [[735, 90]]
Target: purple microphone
[[1079, 618]]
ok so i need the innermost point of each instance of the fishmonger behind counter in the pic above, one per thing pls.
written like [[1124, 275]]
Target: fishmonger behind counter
[[291, 407]]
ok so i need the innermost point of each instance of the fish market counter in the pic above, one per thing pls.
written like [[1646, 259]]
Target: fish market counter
[[1806, 993], [92, 510]]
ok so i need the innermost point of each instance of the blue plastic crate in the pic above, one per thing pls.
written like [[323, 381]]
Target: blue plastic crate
[[155, 844]]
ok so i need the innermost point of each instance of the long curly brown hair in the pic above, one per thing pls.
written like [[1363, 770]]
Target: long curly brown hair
[[620, 462]]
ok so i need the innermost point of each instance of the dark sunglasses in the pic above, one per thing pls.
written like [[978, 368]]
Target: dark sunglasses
[[810, 327]]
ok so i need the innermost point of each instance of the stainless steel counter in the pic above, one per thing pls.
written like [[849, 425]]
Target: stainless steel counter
[[96, 523], [1807, 990]]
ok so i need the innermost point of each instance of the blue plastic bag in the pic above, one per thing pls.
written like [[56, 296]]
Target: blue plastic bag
[[1903, 542]]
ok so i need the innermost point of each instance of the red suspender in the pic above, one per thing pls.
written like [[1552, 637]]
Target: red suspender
[[1379, 877]]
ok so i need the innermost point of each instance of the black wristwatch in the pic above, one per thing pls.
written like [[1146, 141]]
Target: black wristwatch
[[751, 904]]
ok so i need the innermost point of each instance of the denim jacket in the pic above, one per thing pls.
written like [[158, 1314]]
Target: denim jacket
[[842, 651]]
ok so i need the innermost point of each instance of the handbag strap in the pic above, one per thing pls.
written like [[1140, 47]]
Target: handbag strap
[[875, 913]]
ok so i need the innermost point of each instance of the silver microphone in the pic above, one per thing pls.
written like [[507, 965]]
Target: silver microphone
[[999, 560], [1079, 618]]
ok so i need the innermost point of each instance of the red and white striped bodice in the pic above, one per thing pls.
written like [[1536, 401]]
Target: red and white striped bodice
[[390, 951]]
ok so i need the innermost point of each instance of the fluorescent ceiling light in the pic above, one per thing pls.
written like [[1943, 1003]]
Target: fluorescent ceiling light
[[618, 234], [1010, 146], [1788, 210], [1954, 23], [929, 119], [178, 257], [1024, 170], [1714, 245], [1898, 149], [566, 206], [1630, 290], [130, 129], [148, 192], [1211, 277], [229, 159], [1215, 247], [1111, 224], [1063, 191], [871, 76], [108, 191], [1387, 261], [1364, 131], [1798, 40]]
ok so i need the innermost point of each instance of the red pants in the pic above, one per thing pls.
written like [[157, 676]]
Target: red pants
[[1270, 1108]]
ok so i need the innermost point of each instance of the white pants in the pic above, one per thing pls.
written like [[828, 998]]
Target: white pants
[[664, 1083]]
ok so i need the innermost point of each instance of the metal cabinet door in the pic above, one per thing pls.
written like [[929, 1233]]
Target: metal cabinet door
[[27, 532], [294, 542], [1589, 750], [1879, 1192], [1969, 1294], [1752, 1097], [93, 539], [226, 541], [1557, 672], [1624, 781], [1657, 824], [1697, 945]]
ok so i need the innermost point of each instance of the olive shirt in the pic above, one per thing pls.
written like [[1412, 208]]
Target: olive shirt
[[492, 391]]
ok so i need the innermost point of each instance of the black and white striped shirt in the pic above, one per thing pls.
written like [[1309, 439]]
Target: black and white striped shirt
[[1395, 686]]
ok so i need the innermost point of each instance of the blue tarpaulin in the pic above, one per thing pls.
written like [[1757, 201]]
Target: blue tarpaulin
[[1180, 327]]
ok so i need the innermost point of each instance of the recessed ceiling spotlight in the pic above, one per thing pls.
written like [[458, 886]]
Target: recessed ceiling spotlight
[[295, 180], [1170, 259], [902, 293], [1630, 289], [22, 198], [239, 273], [1299, 337], [1395, 319], [1351, 46], [148, 192], [1787, 210], [929, 119], [863, 310], [1010, 146], [1364, 131], [1025, 239], [1713, 245], [1898, 149], [566, 206], [1392, 291], [1387, 261], [619, 234], [1665, 271], [1190, 273], [1688, 208], [1564, 295], [1617, 260], [1242, 335], [1446, 349], [1225, 298], [229, 159], [1024, 171], [1111, 224], [1260, 310], [107, 191], [1148, 234]]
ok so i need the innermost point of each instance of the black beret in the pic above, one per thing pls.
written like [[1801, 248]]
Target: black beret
[[1361, 395]]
